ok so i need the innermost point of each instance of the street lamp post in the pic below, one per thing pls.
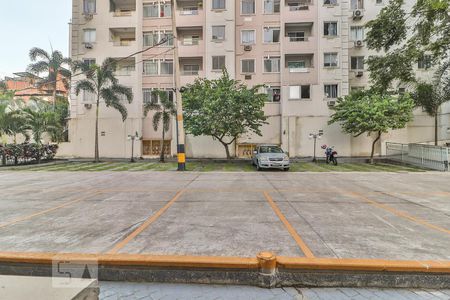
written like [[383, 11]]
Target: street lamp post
[[133, 138], [315, 136]]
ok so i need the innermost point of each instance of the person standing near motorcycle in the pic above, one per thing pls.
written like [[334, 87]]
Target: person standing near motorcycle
[[330, 154]]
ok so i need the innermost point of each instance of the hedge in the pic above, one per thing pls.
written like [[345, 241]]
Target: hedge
[[27, 153]]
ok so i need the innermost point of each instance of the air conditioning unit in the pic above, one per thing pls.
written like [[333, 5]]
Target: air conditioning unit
[[359, 73], [247, 48], [357, 14], [359, 43], [248, 77], [331, 102], [88, 16], [88, 46], [87, 105]]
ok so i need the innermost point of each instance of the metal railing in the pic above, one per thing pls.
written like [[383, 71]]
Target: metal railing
[[427, 156]]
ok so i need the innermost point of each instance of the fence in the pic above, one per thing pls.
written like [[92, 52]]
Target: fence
[[427, 156]]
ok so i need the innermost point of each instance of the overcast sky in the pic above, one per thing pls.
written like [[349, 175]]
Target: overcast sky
[[25, 24]]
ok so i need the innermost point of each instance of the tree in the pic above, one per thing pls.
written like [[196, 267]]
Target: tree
[[369, 112], [3, 86], [163, 113], [39, 119], [12, 122], [405, 36], [52, 64], [101, 82], [223, 109], [430, 96]]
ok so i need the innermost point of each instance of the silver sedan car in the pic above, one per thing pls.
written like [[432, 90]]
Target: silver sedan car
[[270, 156]]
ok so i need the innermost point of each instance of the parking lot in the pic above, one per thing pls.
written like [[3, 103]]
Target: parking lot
[[395, 216]]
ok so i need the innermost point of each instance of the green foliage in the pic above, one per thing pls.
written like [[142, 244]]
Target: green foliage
[[27, 152], [406, 36], [102, 82], [367, 112], [163, 112], [223, 109]]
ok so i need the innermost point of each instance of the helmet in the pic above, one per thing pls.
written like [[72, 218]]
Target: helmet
[[324, 147]]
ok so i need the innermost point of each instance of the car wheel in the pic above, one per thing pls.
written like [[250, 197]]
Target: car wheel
[[286, 169], [258, 168]]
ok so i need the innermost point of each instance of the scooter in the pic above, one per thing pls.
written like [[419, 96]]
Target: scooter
[[331, 154]]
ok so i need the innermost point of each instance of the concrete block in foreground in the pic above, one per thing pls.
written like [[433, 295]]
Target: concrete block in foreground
[[32, 287]]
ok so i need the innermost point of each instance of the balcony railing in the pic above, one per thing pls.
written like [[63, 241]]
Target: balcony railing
[[125, 13], [297, 38], [123, 43]]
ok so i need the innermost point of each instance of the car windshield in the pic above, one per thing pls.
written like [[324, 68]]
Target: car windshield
[[270, 149]]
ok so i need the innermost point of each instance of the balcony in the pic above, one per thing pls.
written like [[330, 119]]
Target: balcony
[[299, 69], [190, 42], [123, 40], [299, 38], [295, 10], [190, 13], [122, 12], [191, 68]]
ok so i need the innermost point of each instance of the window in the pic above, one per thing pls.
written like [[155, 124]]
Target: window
[[271, 6], [89, 35], [89, 7], [165, 10], [273, 94], [191, 69], [151, 67], [271, 34], [218, 4], [424, 62], [330, 28], [331, 90], [168, 37], [357, 33], [248, 66], [151, 10], [150, 95], [218, 33], [191, 40], [298, 36], [272, 65], [299, 92], [247, 7], [89, 61], [296, 66], [357, 4], [330, 2], [357, 62], [218, 63], [157, 10], [379, 2], [299, 5], [248, 37], [330, 59], [150, 39], [166, 67], [189, 11]]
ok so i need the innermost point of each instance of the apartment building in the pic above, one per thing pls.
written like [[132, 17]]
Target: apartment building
[[306, 52]]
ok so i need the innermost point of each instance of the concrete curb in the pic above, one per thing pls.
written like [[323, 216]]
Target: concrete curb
[[265, 270]]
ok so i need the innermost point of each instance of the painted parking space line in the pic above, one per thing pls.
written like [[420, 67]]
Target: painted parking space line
[[308, 253], [145, 225], [46, 211], [398, 212]]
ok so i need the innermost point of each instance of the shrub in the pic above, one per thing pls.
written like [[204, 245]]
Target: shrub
[[27, 153]]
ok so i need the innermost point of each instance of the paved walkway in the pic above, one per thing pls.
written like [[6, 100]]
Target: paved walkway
[[344, 215], [150, 291]]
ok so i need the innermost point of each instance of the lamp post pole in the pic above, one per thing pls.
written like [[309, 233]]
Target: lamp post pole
[[133, 138], [315, 136]]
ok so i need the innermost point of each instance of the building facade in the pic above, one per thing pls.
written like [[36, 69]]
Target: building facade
[[307, 53]]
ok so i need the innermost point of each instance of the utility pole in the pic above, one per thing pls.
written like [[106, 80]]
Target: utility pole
[[315, 136], [181, 151]]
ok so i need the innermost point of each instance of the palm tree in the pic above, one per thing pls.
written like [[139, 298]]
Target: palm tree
[[101, 81], [53, 64], [39, 119], [163, 112], [430, 96]]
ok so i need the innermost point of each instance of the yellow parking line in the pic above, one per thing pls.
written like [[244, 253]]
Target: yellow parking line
[[43, 212], [144, 226], [398, 212], [308, 253]]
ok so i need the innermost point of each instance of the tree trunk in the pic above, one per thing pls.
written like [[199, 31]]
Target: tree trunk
[[436, 116], [373, 147], [227, 150], [96, 155], [163, 148], [54, 94], [4, 160]]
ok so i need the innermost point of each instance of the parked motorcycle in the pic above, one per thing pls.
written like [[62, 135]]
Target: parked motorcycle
[[331, 154]]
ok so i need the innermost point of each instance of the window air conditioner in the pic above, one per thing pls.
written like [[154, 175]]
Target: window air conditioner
[[357, 14], [88, 16], [359, 43], [331, 102], [359, 73], [247, 48], [248, 77], [88, 46], [87, 105]]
